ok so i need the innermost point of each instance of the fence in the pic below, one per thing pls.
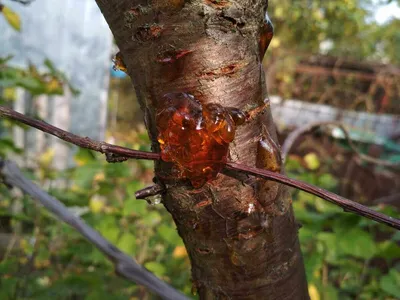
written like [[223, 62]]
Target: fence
[[74, 35]]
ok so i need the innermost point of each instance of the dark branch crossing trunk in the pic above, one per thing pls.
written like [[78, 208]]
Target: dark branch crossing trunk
[[241, 236]]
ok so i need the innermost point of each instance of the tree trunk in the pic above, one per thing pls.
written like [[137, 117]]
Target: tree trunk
[[241, 237]]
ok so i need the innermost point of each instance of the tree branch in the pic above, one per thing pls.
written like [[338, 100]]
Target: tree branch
[[149, 191], [293, 136], [83, 142], [24, 2], [124, 265], [230, 168], [346, 204]]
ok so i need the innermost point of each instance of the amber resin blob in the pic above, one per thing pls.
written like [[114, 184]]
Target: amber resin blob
[[194, 137]]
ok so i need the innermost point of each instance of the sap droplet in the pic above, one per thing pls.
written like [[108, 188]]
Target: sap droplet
[[194, 137], [238, 116], [154, 200], [268, 155], [266, 34]]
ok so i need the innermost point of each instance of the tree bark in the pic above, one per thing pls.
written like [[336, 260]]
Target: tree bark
[[241, 237]]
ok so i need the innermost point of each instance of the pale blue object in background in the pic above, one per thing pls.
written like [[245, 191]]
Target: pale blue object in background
[[75, 37], [117, 73]]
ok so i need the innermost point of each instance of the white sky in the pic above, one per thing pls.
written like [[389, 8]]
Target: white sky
[[387, 12]]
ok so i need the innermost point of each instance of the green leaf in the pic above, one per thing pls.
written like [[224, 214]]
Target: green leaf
[[7, 145], [49, 64], [329, 240], [357, 243], [8, 82], [156, 268], [306, 235], [134, 207], [60, 75], [169, 234], [8, 287], [306, 197], [76, 284], [327, 181], [326, 207], [304, 215], [344, 222], [312, 263], [4, 60], [390, 283], [84, 175], [84, 156], [12, 18], [312, 161], [151, 219], [109, 229], [127, 243], [96, 257], [101, 294], [293, 164], [396, 236], [34, 85], [388, 250], [8, 266], [117, 170], [329, 292]]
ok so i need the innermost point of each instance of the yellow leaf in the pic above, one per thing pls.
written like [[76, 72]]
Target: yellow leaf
[[75, 188], [275, 42], [46, 158], [99, 177], [278, 12], [96, 204], [54, 85], [9, 93], [179, 251], [80, 161], [12, 18], [33, 70], [23, 244], [313, 292], [43, 281], [23, 260], [312, 161], [39, 264]]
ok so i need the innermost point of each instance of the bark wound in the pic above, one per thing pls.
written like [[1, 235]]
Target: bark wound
[[269, 192], [241, 238], [172, 55], [194, 137], [218, 4], [148, 32], [227, 70]]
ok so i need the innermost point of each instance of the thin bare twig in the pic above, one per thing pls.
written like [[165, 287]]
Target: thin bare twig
[[83, 142], [346, 204], [230, 168], [293, 136], [149, 191], [125, 266], [24, 2]]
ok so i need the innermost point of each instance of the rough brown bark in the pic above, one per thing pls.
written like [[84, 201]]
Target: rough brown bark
[[241, 238]]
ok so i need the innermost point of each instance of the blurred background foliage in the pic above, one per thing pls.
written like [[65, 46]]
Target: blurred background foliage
[[348, 26], [337, 53], [346, 257]]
